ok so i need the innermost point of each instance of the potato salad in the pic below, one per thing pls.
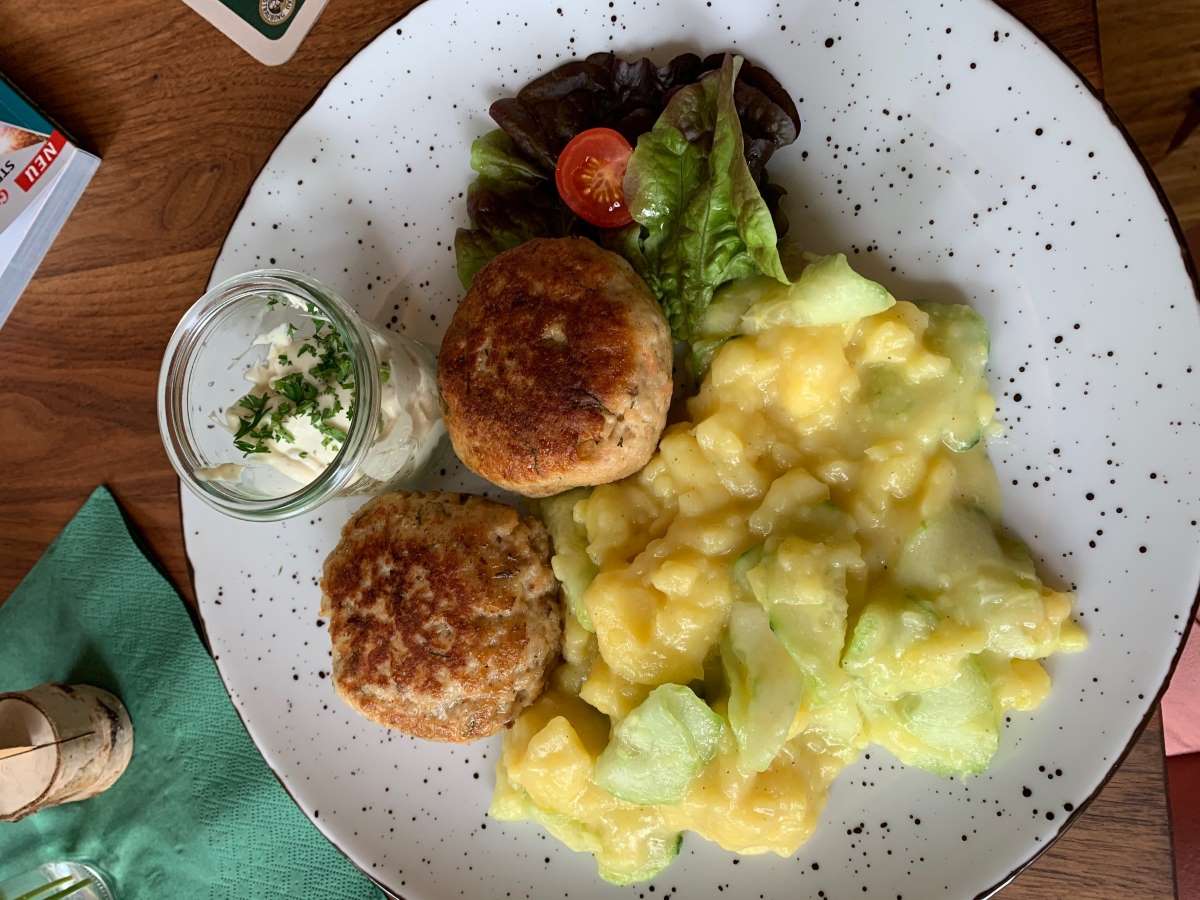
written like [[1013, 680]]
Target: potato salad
[[811, 563]]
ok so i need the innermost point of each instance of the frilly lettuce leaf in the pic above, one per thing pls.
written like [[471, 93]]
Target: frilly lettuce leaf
[[704, 222], [509, 203], [513, 199]]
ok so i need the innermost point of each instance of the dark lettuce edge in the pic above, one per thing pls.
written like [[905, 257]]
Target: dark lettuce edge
[[764, 81], [629, 95], [605, 90], [601, 90], [503, 216]]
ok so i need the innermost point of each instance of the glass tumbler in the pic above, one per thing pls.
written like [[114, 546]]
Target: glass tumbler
[[58, 881]]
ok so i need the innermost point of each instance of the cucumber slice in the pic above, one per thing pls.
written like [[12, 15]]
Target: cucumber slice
[[802, 580], [890, 397], [633, 857], [828, 292], [948, 548], [766, 687], [986, 581], [960, 334], [903, 645], [657, 750], [660, 850], [571, 564], [950, 730], [963, 431], [741, 566]]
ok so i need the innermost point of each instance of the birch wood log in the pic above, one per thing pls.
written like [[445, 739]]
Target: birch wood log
[[59, 743]]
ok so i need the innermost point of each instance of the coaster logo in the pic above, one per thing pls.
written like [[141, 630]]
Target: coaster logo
[[3, 196], [276, 12]]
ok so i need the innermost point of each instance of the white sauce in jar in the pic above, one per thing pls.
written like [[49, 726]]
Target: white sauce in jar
[[302, 403]]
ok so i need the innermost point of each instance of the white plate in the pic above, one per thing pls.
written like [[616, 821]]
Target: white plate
[[956, 158]]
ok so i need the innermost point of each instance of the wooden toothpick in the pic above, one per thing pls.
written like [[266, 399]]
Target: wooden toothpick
[[11, 752]]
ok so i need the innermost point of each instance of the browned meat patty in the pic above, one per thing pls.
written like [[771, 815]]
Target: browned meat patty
[[443, 612], [556, 369]]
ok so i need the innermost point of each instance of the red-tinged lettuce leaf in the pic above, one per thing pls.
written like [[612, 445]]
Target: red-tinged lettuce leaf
[[602, 90], [494, 157], [509, 203], [629, 96], [514, 199], [503, 220]]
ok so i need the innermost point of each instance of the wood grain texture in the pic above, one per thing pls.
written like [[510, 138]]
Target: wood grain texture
[[1121, 845], [1152, 49], [1183, 776], [184, 120], [1070, 27]]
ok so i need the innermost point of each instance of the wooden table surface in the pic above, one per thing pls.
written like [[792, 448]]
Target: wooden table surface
[[184, 120]]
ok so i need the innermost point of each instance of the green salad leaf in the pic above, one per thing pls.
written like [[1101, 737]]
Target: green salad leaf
[[495, 156], [731, 114], [704, 222], [509, 203]]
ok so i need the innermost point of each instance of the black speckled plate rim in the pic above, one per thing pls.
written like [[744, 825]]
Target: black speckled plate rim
[[1189, 268]]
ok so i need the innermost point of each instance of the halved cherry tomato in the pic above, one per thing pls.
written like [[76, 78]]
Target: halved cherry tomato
[[589, 174]]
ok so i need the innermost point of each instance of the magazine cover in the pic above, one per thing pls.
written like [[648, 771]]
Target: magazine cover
[[32, 154], [42, 174]]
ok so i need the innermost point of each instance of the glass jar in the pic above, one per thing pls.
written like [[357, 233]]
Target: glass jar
[[73, 880], [274, 396]]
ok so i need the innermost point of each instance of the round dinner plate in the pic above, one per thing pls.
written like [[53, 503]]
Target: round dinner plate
[[952, 156]]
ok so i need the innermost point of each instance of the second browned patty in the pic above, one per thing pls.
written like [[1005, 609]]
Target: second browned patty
[[556, 369], [443, 613]]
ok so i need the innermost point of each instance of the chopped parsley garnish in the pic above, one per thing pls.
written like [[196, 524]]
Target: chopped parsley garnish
[[250, 436], [256, 406], [331, 433], [296, 388], [335, 365], [385, 372], [313, 394]]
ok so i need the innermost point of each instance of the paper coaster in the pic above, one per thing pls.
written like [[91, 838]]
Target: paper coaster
[[269, 30]]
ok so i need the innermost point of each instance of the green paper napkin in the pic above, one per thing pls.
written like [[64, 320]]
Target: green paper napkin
[[197, 813]]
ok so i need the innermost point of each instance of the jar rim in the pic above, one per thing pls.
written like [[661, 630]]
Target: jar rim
[[173, 384]]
